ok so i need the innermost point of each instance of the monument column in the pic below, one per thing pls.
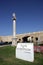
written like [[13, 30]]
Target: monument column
[[14, 39]]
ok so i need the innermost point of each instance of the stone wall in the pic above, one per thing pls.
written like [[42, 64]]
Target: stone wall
[[35, 35]]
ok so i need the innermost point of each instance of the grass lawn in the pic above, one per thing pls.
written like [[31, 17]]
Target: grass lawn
[[7, 57]]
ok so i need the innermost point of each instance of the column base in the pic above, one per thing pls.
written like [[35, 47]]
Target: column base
[[14, 41]]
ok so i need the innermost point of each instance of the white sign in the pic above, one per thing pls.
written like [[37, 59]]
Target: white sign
[[25, 51]]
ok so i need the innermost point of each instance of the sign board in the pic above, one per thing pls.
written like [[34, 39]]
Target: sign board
[[25, 51]]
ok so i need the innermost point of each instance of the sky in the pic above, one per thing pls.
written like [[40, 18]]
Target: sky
[[29, 16]]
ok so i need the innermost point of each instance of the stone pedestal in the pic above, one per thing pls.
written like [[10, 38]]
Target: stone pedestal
[[14, 41]]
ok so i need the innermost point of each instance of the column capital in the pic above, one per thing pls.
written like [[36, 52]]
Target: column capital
[[14, 16]]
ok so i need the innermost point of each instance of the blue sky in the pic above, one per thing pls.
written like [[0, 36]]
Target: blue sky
[[29, 14]]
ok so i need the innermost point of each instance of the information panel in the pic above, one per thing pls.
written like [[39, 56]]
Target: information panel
[[25, 51]]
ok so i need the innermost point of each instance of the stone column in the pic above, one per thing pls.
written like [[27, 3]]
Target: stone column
[[14, 39]]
